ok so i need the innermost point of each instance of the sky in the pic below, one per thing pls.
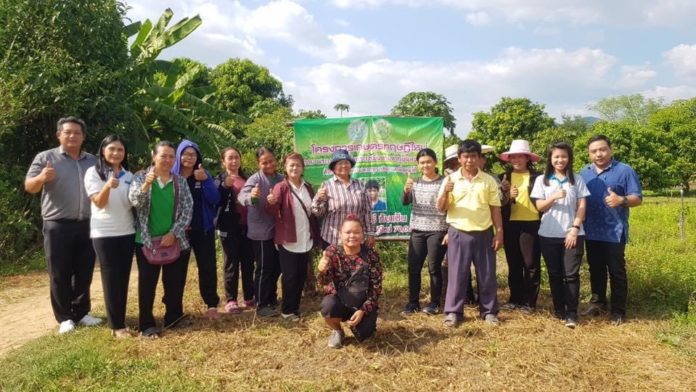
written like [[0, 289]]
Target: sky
[[565, 54]]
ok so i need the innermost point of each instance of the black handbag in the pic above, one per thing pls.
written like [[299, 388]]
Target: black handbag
[[354, 293]]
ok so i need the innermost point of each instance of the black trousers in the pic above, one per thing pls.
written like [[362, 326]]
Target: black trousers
[[115, 256], [293, 267], [267, 272], [523, 255], [608, 256], [203, 245], [174, 282], [237, 252], [70, 260], [421, 245], [563, 266], [331, 307]]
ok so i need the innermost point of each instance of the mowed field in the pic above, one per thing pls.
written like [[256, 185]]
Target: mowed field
[[654, 350]]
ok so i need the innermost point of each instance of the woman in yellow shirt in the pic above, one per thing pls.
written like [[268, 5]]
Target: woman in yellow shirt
[[521, 227]]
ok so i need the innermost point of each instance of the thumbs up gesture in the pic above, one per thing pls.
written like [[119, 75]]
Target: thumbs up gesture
[[48, 172], [199, 174], [229, 180], [613, 200], [409, 183], [150, 177], [255, 191], [449, 185], [112, 182], [504, 183], [321, 193], [514, 191], [324, 262], [271, 199]]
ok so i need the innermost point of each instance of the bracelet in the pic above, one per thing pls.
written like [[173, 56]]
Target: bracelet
[[575, 227]]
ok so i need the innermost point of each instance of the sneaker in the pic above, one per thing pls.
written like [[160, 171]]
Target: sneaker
[[90, 321], [509, 306], [212, 313], [290, 317], [616, 319], [411, 308], [66, 326], [267, 311], [491, 319], [431, 309], [336, 339], [453, 320], [571, 321], [231, 307], [249, 304]]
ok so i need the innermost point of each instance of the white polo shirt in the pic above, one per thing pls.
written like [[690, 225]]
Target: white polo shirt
[[116, 218]]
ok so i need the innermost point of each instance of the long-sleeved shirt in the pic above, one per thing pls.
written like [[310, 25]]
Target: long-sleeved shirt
[[260, 224], [340, 201], [341, 267], [141, 201]]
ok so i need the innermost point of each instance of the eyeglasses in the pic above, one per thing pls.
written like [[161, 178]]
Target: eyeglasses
[[190, 155]]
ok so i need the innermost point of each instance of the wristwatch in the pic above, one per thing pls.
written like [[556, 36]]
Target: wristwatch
[[624, 203]]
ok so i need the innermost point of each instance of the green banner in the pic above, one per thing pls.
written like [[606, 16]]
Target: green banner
[[385, 150]]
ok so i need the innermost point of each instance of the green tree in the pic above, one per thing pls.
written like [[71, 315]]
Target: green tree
[[632, 108], [241, 84], [427, 104], [57, 58], [309, 114], [638, 147], [570, 129], [510, 119], [676, 127], [342, 107], [272, 130]]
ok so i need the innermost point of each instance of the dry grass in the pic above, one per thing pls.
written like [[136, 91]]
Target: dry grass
[[527, 352]]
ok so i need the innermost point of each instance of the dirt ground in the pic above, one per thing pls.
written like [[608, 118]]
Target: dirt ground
[[25, 307]]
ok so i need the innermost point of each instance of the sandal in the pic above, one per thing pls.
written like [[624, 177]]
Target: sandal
[[122, 333], [150, 333]]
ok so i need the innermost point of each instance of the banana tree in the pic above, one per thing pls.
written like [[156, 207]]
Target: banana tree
[[166, 105]]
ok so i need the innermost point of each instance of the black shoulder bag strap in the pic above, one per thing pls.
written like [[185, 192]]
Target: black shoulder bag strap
[[304, 207]]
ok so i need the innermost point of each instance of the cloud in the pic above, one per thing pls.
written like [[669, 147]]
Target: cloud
[[633, 77], [477, 18], [668, 13], [567, 78], [230, 29], [682, 59]]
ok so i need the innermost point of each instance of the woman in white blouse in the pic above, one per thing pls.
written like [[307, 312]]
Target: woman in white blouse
[[112, 228]]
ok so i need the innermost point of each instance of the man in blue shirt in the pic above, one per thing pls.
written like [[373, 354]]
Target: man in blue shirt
[[614, 188]]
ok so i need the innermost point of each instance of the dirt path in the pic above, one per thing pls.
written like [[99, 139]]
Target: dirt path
[[25, 307]]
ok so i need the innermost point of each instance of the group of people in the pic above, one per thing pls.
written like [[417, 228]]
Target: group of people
[[468, 214], [268, 225]]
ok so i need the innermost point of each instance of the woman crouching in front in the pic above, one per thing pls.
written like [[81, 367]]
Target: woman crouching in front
[[351, 274]]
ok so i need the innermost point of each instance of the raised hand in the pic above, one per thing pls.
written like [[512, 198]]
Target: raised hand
[[150, 177], [112, 182], [559, 194], [449, 185], [504, 183], [613, 200], [200, 174], [48, 173], [514, 192], [409, 183], [229, 180], [324, 262], [255, 191], [321, 193], [271, 199]]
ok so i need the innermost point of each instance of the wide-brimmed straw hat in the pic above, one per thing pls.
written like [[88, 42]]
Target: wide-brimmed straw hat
[[340, 155], [519, 147]]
